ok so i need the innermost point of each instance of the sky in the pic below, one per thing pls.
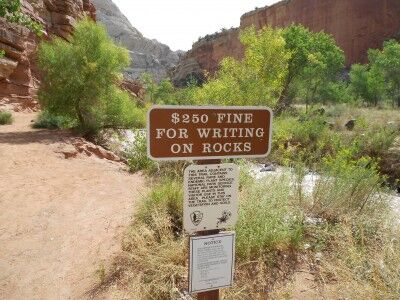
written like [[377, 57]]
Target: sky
[[179, 23]]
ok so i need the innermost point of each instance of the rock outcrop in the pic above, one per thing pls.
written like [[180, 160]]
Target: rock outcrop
[[147, 55], [18, 74], [206, 55], [357, 25]]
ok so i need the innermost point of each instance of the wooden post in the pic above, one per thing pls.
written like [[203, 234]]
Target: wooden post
[[210, 295]]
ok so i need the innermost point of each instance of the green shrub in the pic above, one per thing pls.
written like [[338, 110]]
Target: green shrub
[[5, 118], [268, 220], [306, 138], [386, 63], [348, 186], [81, 78], [375, 141], [50, 121], [137, 154], [165, 198], [334, 92]]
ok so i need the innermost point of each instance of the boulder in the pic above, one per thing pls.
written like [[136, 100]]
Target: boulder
[[7, 66], [90, 149], [350, 124]]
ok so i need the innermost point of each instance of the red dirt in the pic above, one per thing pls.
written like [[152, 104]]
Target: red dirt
[[60, 219]]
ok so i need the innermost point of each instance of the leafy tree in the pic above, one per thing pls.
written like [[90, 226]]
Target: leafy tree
[[11, 10], [255, 80], [81, 79], [367, 84], [147, 80], [315, 59], [162, 93], [334, 92], [387, 62]]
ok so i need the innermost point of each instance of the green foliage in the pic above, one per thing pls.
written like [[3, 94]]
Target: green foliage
[[387, 62], [165, 198], [2, 53], [50, 121], [306, 138], [348, 186], [367, 84], [268, 221], [380, 79], [161, 93], [315, 60], [374, 141], [81, 78], [137, 154], [334, 92], [11, 10], [255, 80], [5, 118]]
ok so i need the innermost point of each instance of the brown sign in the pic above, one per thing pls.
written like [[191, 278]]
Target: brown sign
[[201, 132]]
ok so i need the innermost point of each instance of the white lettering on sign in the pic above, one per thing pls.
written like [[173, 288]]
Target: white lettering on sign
[[211, 262], [210, 197], [184, 132]]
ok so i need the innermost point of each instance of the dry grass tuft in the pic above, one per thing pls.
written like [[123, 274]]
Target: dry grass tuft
[[155, 257]]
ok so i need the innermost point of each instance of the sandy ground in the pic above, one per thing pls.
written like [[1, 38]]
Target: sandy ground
[[60, 219]]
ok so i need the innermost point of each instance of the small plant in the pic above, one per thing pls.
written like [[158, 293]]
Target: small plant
[[51, 121], [5, 118], [137, 154], [101, 273]]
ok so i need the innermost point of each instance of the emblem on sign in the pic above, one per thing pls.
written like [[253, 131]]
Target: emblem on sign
[[226, 215], [196, 217]]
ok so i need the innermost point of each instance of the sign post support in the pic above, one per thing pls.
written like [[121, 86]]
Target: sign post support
[[210, 295]]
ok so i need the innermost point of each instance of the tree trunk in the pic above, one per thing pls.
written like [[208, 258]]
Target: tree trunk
[[79, 114], [282, 103]]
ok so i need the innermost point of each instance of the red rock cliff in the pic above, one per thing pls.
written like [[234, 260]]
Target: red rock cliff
[[357, 25], [18, 76]]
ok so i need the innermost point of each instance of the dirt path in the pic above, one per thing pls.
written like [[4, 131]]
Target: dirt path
[[59, 218]]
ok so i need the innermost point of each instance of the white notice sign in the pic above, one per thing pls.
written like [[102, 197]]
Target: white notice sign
[[211, 262], [210, 197]]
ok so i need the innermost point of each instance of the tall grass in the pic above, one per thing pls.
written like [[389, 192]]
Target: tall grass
[[348, 187], [268, 219], [354, 236], [360, 238]]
